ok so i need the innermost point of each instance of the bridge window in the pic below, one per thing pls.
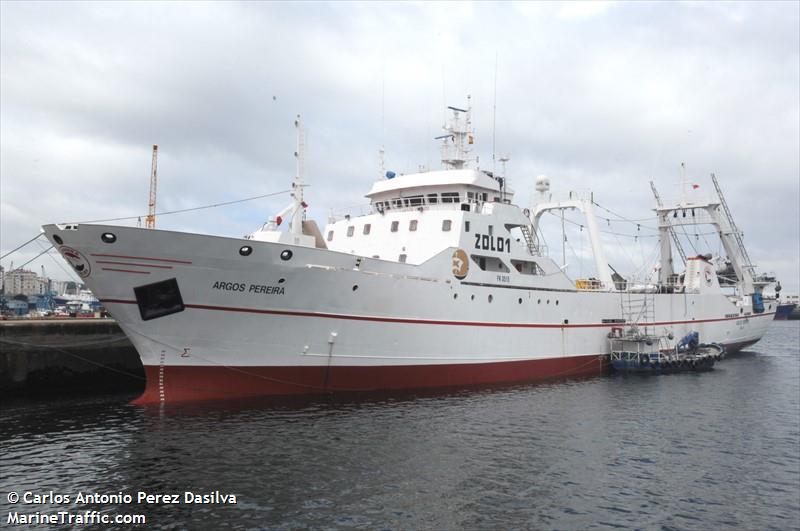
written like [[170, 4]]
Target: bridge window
[[450, 197], [446, 224], [367, 228], [412, 225], [415, 200], [433, 199], [395, 225]]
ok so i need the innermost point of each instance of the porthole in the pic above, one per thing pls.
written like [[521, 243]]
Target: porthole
[[538, 301], [355, 287], [455, 295], [57, 239], [472, 297], [519, 301], [556, 302], [245, 250], [108, 237], [566, 321], [548, 301], [491, 298], [286, 254], [281, 280]]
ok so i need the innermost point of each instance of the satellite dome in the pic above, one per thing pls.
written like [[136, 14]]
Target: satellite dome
[[542, 183]]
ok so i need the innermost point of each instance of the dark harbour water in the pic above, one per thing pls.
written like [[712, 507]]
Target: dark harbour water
[[718, 450]]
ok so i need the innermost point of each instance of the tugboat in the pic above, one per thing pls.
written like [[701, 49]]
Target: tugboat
[[643, 353]]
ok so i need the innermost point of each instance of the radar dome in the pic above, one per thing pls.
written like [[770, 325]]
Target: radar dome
[[542, 183]]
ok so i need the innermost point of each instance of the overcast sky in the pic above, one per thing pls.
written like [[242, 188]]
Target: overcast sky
[[600, 96]]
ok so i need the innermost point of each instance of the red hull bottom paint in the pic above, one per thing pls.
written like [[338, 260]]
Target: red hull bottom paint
[[188, 383]]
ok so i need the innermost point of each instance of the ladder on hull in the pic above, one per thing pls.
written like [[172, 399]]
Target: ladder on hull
[[638, 310]]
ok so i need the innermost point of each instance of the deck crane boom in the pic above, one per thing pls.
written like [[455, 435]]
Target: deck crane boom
[[150, 223], [737, 234]]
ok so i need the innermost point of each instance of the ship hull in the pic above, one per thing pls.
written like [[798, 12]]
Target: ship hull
[[783, 311], [188, 383], [316, 321]]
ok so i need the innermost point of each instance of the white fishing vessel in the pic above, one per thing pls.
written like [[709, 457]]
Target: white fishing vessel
[[442, 283]]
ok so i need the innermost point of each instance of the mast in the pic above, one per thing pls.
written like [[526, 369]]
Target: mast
[[457, 137], [709, 212], [664, 226], [295, 224]]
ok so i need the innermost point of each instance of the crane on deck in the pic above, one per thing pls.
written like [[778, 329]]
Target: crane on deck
[[150, 222]]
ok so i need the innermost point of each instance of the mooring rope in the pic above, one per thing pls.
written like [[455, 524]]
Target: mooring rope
[[21, 246]]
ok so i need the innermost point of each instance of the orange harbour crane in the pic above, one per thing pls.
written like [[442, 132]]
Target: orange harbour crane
[[150, 222]]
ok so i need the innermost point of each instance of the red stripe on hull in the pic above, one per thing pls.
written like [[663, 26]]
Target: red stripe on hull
[[133, 264], [187, 383], [377, 319], [171, 260]]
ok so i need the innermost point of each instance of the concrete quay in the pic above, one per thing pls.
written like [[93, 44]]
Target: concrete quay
[[49, 356]]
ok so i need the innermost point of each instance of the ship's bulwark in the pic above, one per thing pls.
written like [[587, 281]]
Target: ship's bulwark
[[178, 383]]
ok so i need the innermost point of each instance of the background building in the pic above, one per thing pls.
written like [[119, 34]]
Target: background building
[[23, 282]]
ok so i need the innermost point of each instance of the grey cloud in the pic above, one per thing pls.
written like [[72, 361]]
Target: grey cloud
[[605, 99]]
